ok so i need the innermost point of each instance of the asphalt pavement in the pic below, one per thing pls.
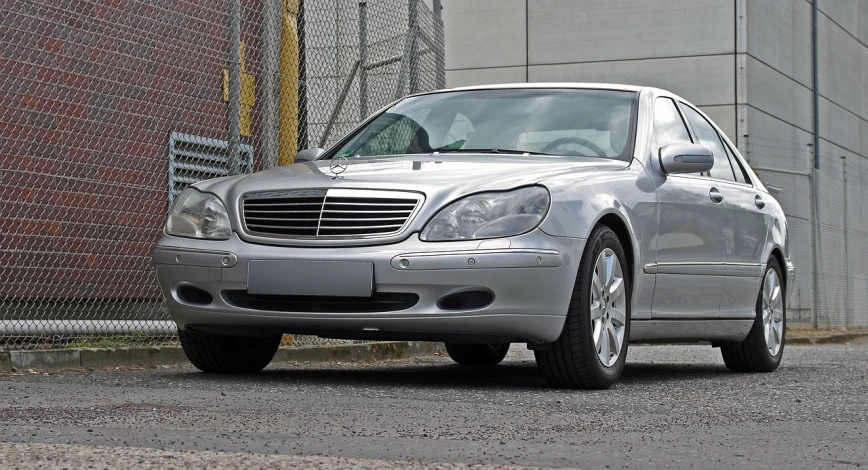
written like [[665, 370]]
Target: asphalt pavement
[[675, 407]]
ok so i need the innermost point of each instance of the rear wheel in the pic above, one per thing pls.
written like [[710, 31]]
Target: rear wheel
[[763, 348], [228, 354], [591, 349], [477, 354]]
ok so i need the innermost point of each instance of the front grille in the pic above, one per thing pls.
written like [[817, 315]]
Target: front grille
[[379, 302], [334, 213]]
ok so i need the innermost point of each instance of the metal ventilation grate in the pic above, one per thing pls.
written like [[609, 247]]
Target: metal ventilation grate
[[193, 158]]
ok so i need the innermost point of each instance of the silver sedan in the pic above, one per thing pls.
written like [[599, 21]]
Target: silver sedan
[[574, 218]]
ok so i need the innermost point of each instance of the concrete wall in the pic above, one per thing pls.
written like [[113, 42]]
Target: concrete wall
[[778, 83], [747, 63], [686, 46]]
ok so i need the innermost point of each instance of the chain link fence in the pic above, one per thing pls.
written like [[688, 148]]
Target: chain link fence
[[110, 109], [828, 231]]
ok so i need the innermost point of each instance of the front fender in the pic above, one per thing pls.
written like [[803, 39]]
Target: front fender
[[580, 201]]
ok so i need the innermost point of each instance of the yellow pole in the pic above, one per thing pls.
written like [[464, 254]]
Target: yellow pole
[[287, 134]]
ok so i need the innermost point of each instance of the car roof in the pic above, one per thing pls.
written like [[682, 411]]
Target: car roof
[[574, 85], [598, 86]]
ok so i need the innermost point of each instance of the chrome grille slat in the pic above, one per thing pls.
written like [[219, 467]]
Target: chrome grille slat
[[359, 227], [287, 204], [259, 211], [408, 205], [322, 214], [364, 219], [282, 219], [283, 227], [366, 212]]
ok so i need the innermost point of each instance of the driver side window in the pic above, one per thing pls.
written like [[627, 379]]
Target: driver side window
[[669, 126], [722, 169]]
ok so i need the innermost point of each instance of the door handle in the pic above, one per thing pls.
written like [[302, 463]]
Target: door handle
[[715, 196], [759, 202]]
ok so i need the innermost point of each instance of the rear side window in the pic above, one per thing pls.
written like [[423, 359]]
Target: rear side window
[[740, 172], [669, 128], [707, 136]]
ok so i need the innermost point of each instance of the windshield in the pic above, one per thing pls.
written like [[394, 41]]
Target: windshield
[[563, 122]]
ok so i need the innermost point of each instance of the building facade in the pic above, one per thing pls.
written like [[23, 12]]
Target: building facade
[[749, 65]]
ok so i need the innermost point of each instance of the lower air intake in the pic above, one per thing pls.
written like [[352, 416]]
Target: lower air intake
[[380, 302]]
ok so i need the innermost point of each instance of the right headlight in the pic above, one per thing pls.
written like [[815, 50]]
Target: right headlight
[[489, 215], [198, 215]]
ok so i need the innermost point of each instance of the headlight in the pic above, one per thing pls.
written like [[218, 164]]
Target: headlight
[[489, 215], [198, 215]]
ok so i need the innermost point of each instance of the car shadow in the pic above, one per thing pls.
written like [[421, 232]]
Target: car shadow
[[510, 375]]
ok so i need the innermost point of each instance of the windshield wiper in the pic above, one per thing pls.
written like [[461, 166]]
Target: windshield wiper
[[490, 150]]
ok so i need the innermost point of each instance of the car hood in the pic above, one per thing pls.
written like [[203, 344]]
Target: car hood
[[437, 176]]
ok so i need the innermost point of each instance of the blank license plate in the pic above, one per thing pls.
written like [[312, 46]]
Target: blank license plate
[[330, 278]]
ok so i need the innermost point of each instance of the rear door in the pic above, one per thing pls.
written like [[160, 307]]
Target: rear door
[[691, 257]]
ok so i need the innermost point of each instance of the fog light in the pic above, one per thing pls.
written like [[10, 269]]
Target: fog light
[[194, 295], [465, 300]]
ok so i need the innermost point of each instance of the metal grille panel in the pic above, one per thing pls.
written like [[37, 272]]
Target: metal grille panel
[[327, 214], [193, 159]]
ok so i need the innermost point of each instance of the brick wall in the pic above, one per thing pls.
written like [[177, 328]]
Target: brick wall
[[89, 92]]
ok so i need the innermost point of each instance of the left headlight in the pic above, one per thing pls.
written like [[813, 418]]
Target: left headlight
[[489, 215], [198, 215]]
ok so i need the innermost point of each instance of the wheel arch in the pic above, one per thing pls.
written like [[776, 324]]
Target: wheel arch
[[615, 221], [778, 255]]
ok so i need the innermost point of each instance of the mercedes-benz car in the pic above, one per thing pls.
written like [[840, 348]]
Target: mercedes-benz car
[[573, 218]]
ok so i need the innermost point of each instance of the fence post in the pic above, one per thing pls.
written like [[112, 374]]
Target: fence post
[[815, 240], [271, 54], [303, 140], [441, 54], [363, 58], [233, 108], [414, 46], [408, 53], [847, 299]]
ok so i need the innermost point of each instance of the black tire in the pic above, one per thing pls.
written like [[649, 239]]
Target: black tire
[[572, 360], [752, 354], [479, 355], [228, 354]]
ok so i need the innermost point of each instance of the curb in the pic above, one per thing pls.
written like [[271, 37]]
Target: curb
[[94, 359], [840, 338]]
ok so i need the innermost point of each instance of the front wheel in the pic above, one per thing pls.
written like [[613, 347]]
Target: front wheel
[[591, 349], [228, 354], [763, 348], [480, 355]]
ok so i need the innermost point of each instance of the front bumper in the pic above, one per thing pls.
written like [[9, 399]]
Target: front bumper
[[530, 277]]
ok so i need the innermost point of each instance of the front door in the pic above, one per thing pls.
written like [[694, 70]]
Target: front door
[[691, 251], [690, 264]]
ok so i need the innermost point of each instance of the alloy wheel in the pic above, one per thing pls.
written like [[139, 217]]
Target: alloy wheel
[[608, 307], [773, 312]]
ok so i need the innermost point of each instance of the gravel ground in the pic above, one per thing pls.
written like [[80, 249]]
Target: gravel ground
[[676, 406]]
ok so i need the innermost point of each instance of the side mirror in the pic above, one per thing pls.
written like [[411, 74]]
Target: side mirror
[[686, 158], [308, 155]]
